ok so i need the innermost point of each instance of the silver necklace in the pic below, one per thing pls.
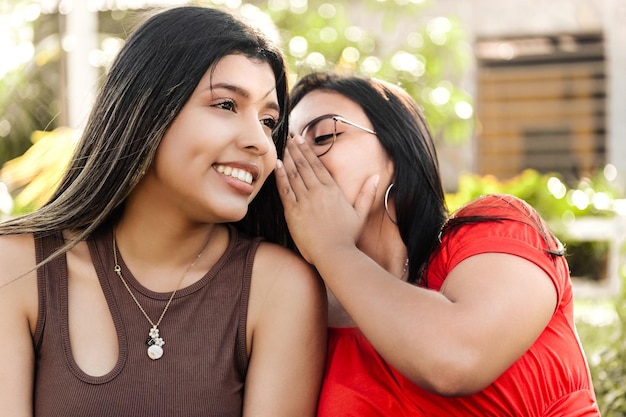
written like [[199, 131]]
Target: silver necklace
[[155, 342]]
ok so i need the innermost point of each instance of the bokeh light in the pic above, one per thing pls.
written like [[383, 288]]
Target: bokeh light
[[438, 29], [298, 46], [371, 65], [464, 110], [556, 187], [350, 54]]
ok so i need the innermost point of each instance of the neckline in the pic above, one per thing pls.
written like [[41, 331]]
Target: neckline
[[107, 246]]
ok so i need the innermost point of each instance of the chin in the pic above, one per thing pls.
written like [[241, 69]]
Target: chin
[[234, 215]]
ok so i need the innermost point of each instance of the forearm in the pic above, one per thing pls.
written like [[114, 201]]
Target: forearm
[[445, 345], [403, 322]]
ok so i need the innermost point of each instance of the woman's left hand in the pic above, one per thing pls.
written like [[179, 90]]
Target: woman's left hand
[[318, 214]]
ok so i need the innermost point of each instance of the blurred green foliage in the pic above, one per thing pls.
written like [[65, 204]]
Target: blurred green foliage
[[398, 41], [428, 56], [547, 193], [605, 347]]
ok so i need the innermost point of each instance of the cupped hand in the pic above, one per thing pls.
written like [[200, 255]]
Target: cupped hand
[[319, 216]]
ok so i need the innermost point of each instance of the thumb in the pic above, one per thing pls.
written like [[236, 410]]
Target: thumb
[[366, 196]]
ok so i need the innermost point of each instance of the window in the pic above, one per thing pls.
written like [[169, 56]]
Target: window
[[541, 105]]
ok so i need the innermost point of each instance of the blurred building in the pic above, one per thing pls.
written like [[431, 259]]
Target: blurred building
[[549, 79]]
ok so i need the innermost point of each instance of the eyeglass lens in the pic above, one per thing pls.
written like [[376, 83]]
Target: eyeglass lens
[[321, 135]]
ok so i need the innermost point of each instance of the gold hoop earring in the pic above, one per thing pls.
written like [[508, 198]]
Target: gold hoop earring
[[387, 204]]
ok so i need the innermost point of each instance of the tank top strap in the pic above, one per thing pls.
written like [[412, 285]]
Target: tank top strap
[[56, 269], [250, 247]]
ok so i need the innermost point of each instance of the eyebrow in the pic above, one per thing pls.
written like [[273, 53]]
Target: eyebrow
[[245, 93]]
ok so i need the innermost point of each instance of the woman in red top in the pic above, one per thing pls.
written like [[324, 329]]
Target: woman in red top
[[467, 315]]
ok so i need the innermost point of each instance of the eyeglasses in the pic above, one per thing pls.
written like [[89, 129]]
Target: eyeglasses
[[321, 133]]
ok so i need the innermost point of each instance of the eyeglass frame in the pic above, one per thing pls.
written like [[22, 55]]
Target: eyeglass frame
[[336, 118]]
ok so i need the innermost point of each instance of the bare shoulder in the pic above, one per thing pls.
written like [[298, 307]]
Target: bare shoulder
[[277, 265], [18, 283], [286, 282], [17, 257]]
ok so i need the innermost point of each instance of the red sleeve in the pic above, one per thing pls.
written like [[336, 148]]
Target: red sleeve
[[519, 234]]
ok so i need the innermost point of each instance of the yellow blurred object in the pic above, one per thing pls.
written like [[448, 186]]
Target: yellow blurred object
[[35, 174]]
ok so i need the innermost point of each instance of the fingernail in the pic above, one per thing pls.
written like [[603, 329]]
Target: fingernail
[[279, 163], [299, 139]]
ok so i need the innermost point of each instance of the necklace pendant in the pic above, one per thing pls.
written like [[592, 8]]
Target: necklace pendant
[[155, 344], [155, 352]]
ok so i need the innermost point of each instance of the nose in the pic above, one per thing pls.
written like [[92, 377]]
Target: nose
[[257, 138]]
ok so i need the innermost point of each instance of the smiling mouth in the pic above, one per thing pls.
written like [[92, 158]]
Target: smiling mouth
[[238, 173]]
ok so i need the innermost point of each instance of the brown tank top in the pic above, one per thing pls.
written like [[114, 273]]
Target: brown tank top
[[203, 369]]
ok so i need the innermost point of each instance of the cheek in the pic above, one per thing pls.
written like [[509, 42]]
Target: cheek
[[178, 139], [174, 153]]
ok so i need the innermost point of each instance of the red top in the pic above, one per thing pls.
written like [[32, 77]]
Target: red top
[[550, 379]]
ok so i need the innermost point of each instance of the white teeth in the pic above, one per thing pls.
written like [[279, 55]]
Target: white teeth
[[240, 174]]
